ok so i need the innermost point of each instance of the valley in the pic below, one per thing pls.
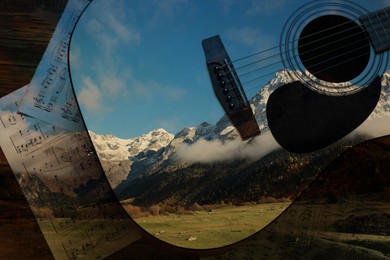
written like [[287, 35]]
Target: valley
[[208, 164], [202, 229]]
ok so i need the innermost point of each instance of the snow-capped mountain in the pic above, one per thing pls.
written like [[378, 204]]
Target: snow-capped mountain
[[383, 106], [150, 152], [117, 155], [112, 148], [259, 103]]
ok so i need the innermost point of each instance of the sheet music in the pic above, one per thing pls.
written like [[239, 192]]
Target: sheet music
[[50, 153], [64, 184], [49, 96]]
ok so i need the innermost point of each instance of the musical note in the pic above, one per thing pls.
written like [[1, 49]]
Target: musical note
[[49, 96], [64, 184], [76, 249], [10, 120], [51, 155], [28, 138], [116, 231]]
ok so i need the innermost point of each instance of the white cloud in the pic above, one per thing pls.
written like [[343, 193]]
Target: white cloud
[[74, 58], [105, 74], [249, 36], [113, 85], [374, 127], [90, 96], [113, 79], [173, 93], [112, 26], [226, 5], [386, 2], [265, 6], [216, 151], [152, 89], [119, 29], [170, 124], [167, 10]]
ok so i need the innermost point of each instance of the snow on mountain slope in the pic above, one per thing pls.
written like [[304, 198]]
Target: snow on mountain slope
[[112, 148], [143, 149], [383, 106], [259, 103]]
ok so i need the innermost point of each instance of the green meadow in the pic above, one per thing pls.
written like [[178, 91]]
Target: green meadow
[[213, 228]]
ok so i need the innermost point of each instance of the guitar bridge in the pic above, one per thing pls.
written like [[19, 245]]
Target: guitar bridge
[[228, 89]]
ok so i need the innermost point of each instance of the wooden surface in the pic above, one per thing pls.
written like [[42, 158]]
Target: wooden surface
[[25, 31]]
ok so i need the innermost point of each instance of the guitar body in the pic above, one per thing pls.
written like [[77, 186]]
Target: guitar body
[[303, 120], [158, 131], [335, 54], [330, 50]]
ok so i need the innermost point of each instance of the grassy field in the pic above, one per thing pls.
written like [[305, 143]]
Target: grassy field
[[313, 230], [220, 227], [91, 239]]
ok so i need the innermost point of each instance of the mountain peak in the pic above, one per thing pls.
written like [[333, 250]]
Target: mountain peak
[[160, 130], [204, 124], [116, 149], [110, 147]]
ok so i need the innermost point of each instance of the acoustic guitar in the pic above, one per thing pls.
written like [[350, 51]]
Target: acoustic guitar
[[335, 54], [136, 70]]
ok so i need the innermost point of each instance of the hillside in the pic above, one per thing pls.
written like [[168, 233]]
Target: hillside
[[209, 163]]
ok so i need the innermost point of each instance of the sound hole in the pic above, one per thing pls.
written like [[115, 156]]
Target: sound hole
[[334, 48]]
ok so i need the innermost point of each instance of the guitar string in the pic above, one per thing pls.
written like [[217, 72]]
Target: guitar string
[[276, 55], [321, 31], [261, 61], [277, 60], [356, 82], [373, 24], [278, 46], [275, 48], [272, 73], [284, 52], [280, 61]]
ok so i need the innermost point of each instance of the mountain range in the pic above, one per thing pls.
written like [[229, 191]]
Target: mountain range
[[208, 163]]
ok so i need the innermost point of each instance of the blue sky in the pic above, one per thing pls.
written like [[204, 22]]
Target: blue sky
[[139, 65]]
